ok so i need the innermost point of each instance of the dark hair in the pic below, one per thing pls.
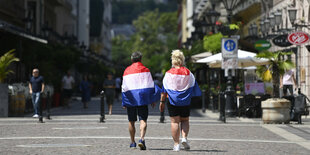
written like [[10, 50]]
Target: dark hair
[[136, 56]]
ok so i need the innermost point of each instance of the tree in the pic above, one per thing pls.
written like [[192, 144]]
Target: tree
[[275, 69], [155, 37]]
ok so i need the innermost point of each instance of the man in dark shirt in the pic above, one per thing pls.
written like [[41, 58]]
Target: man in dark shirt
[[109, 86], [36, 87]]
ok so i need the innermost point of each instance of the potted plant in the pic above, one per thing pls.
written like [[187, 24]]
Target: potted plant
[[229, 29], [5, 62], [275, 110]]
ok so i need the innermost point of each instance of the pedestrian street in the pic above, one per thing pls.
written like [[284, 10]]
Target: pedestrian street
[[78, 131]]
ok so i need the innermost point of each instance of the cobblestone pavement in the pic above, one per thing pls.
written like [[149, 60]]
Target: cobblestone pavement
[[78, 131]]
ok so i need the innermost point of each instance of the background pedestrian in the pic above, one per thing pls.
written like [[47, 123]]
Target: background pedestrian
[[85, 88], [109, 91], [36, 88]]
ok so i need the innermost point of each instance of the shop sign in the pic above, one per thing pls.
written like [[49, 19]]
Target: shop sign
[[262, 45], [281, 40], [298, 38]]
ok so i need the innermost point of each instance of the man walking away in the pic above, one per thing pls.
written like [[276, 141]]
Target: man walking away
[[36, 87], [138, 91]]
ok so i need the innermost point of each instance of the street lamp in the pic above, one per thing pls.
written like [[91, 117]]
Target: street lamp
[[230, 103], [267, 25], [278, 19], [292, 15], [229, 6]]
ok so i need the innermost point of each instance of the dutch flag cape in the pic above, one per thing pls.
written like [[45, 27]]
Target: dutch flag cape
[[138, 87], [181, 86]]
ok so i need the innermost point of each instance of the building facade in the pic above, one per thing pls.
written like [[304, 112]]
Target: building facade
[[252, 12]]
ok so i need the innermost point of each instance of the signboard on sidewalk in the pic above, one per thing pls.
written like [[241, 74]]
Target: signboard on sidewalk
[[298, 38], [229, 47]]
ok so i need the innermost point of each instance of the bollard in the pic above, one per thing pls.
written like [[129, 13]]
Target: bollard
[[222, 107], [203, 101], [40, 111], [102, 117], [48, 106]]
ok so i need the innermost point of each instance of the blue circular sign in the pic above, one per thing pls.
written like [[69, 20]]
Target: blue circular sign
[[229, 45]]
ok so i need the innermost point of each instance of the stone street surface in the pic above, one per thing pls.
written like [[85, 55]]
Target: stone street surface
[[78, 131]]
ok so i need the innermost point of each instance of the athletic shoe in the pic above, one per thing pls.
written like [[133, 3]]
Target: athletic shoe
[[141, 144], [185, 144], [133, 145], [35, 116], [176, 147]]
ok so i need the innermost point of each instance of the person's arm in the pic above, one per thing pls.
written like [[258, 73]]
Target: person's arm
[[163, 97], [30, 88], [42, 89], [43, 85]]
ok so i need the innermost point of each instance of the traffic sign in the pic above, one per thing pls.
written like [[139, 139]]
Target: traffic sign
[[298, 38], [229, 47], [262, 45], [281, 40]]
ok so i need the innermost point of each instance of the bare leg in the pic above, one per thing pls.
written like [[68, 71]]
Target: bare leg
[[143, 126], [185, 126], [132, 131], [110, 109], [175, 130]]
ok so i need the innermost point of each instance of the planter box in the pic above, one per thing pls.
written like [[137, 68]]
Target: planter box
[[4, 100], [276, 110]]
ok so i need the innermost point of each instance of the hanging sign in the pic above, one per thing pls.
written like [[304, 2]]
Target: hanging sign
[[281, 40], [229, 63], [262, 45], [298, 38]]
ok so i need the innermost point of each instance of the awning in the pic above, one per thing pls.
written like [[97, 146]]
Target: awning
[[245, 59], [196, 57], [20, 32]]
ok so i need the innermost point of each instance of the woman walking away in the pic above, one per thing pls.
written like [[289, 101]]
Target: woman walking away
[[85, 88], [180, 86]]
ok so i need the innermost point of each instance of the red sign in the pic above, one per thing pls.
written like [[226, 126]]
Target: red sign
[[298, 38]]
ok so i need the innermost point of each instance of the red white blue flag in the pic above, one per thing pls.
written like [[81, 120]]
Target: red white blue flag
[[138, 87], [181, 86]]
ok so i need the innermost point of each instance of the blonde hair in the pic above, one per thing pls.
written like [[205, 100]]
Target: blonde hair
[[177, 58]]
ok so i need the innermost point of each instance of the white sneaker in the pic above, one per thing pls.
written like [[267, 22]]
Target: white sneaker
[[35, 116], [185, 144], [176, 147]]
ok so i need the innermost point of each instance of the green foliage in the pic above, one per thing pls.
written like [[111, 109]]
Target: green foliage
[[197, 47], [155, 37], [212, 43], [275, 69], [125, 11], [5, 62]]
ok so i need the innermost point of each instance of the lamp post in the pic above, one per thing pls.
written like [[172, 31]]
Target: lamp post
[[292, 16], [230, 103]]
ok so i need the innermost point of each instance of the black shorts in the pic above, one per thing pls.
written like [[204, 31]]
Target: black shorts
[[110, 100], [183, 111], [142, 112]]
